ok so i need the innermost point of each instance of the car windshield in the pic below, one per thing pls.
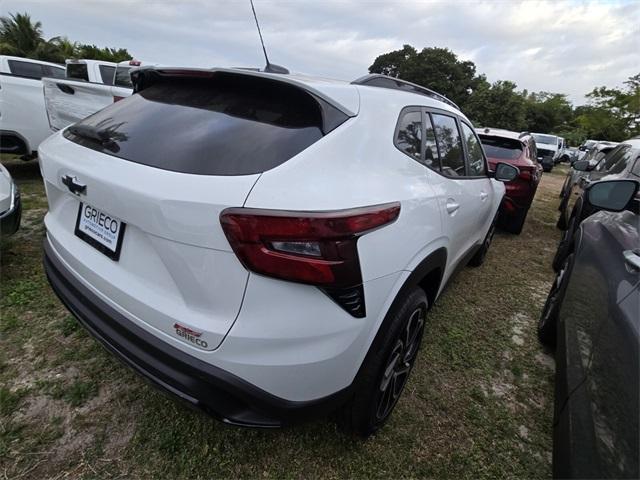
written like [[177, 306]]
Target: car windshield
[[539, 138], [502, 148]]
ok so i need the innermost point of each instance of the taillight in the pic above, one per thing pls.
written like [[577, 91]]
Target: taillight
[[317, 248]]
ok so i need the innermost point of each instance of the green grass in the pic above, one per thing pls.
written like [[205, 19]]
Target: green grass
[[478, 405]]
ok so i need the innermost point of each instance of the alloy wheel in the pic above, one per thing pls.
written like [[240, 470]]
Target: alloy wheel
[[399, 363]]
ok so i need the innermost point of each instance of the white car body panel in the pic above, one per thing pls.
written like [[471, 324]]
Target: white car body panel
[[65, 108], [6, 189], [22, 107], [289, 339]]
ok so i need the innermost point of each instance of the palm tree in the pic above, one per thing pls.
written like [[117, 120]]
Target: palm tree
[[19, 36]]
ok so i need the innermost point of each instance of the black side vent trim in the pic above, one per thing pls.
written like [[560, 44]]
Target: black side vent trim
[[351, 299]]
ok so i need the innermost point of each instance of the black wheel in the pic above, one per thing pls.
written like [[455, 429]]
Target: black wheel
[[386, 368], [565, 245], [478, 258], [547, 325], [514, 224]]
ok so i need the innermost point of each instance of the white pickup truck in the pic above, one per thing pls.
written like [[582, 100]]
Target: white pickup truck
[[89, 86], [23, 117]]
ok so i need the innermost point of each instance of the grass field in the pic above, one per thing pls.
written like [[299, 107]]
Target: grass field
[[479, 403]]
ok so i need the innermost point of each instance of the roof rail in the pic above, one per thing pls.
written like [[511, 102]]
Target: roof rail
[[385, 81]]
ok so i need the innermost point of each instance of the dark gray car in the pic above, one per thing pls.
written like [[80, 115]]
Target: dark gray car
[[593, 315]]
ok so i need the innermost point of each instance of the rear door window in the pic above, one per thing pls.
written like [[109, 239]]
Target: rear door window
[[106, 73], [477, 166], [26, 69], [449, 145], [229, 124], [55, 72]]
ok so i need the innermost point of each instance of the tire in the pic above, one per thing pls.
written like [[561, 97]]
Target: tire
[[515, 223], [386, 368], [548, 322], [478, 257], [565, 246]]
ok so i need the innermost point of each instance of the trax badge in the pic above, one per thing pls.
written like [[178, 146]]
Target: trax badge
[[190, 335]]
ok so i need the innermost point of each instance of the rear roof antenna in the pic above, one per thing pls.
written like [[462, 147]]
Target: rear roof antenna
[[269, 67]]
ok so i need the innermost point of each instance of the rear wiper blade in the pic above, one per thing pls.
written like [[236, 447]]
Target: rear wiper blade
[[107, 138], [90, 132]]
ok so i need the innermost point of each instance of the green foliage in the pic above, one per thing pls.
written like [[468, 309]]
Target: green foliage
[[612, 114], [446, 74], [21, 37]]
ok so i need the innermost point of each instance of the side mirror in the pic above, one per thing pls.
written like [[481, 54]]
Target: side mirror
[[581, 148], [506, 172], [582, 166], [612, 195]]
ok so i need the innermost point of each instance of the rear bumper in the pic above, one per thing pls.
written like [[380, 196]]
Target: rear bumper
[[10, 220], [202, 385]]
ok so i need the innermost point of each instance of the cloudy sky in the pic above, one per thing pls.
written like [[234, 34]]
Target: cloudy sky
[[566, 47]]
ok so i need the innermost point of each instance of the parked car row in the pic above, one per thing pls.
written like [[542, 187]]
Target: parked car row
[[71, 93], [592, 318]]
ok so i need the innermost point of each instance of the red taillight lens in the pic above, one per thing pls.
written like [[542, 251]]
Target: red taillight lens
[[308, 247]]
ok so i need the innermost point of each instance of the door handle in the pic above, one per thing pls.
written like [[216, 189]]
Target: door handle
[[483, 196], [73, 185], [66, 88], [632, 258], [452, 206]]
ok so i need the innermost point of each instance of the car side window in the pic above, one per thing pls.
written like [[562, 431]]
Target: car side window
[[622, 162], [431, 158], [636, 168], [449, 145], [107, 72], [477, 165], [409, 133], [26, 69], [610, 160]]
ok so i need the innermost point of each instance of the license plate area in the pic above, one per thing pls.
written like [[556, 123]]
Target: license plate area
[[102, 231]]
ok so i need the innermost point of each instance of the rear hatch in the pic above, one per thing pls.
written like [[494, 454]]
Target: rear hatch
[[162, 165]]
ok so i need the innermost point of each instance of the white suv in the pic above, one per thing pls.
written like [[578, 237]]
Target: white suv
[[266, 246]]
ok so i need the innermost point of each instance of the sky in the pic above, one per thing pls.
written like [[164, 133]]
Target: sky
[[565, 47]]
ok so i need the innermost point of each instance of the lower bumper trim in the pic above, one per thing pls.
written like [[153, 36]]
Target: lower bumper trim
[[217, 392]]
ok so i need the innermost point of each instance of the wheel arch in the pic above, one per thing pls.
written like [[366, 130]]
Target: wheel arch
[[427, 275]]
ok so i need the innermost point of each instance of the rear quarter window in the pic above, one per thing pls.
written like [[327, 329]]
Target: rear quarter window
[[231, 124]]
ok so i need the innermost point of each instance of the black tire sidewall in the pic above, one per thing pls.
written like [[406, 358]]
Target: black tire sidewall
[[359, 414]]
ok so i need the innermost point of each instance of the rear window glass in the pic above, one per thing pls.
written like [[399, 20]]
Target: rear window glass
[[230, 124], [502, 148], [78, 71], [106, 73], [123, 78]]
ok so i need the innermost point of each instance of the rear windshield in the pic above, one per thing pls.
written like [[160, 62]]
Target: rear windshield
[[502, 148], [123, 79], [539, 138], [78, 71], [226, 125]]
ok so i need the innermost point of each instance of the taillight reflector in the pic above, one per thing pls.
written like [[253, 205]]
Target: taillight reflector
[[317, 248]]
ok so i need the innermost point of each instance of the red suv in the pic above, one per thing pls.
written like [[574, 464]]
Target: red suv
[[518, 149]]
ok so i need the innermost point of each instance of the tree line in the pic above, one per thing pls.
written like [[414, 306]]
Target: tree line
[[610, 113], [21, 37]]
